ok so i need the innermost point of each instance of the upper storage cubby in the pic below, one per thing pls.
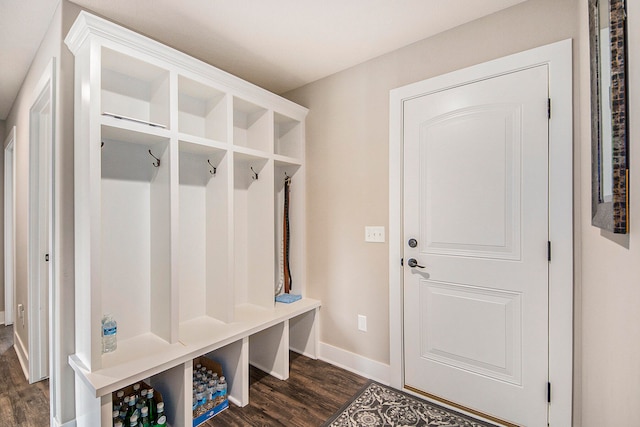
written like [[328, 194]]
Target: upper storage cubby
[[251, 126], [202, 110], [288, 137], [132, 89]]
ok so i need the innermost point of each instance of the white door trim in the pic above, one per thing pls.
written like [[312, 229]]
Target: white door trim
[[558, 57], [9, 227], [41, 142]]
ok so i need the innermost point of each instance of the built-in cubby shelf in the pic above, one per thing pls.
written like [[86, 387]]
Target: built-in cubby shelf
[[133, 88], [251, 126], [179, 191], [202, 110]]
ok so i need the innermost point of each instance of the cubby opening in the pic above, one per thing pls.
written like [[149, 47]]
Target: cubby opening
[[202, 110], [283, 171], [303, 334], [135, 236], [203, 242], [269, 350], [288, 136], [251, 127], [134, 89], [234, 359], [253, 230]]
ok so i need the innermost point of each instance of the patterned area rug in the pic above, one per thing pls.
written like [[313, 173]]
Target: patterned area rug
[[379, 405]]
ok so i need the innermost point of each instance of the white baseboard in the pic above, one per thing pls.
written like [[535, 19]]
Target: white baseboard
[[355, 363], [23, 355], [55, 423]]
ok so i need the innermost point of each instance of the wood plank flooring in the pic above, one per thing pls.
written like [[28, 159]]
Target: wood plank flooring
[[314, 391], [21, 404]]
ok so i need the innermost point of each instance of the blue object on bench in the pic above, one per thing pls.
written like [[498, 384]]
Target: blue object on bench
[[288, 298]]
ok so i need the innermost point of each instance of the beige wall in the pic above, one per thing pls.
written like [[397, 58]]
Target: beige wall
[[347, 160], [611, 273], [347, 163], [19, 117], [52, 47], [3, 135]]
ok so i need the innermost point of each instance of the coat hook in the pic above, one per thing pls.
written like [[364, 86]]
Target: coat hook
[[212, 172], [102, 144], [157, 162], [287, 178], [255, 174]]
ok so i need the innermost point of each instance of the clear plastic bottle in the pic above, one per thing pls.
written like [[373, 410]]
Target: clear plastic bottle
[[109, 334], [133, 421], [222, 387]]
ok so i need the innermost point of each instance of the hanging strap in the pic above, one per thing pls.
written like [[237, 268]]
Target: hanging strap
[[288, 281]]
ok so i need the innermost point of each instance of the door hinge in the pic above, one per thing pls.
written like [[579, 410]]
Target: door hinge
[[402, 262], [549, 108], [548, 251], [46, 257], [549, 392]]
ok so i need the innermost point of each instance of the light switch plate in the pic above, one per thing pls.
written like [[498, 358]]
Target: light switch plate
[[374, 234], [362, 323]]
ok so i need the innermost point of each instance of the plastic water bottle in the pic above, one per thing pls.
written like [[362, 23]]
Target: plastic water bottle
[[222, 387], [109, 332]]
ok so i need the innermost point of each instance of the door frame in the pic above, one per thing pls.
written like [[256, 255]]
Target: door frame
[[9, 227], [558, 57], [41, 142]]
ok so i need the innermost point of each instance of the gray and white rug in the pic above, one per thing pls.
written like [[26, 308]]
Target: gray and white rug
[[379, 405]]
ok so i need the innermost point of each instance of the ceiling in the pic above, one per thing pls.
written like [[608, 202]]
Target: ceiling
[[277, 44]]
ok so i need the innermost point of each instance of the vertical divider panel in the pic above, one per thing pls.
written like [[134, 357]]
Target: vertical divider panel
[[88, 303], [230, 232], [174, 212]]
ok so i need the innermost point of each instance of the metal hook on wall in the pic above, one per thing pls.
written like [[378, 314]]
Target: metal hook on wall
[[212, 172], [101, 144], [255, 174], [287, 178], [157, 162]]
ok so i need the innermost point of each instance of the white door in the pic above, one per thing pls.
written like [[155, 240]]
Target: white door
[[41, 137], [476, 203], [9, 227]]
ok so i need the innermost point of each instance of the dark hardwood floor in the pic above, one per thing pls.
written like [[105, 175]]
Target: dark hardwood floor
[[21, 404], [314, 391]]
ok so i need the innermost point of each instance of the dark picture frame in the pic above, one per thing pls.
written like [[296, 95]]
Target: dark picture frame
[[609, 129]]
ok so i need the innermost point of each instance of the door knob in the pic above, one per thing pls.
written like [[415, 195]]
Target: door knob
[[413, 263]]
